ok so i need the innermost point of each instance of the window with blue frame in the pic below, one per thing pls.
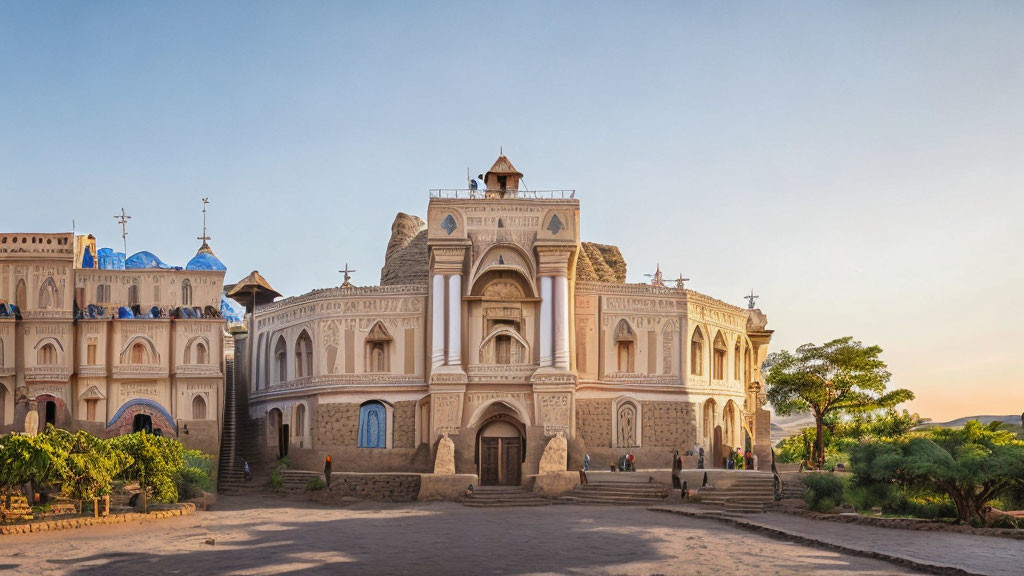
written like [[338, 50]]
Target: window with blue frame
[[372, 425]]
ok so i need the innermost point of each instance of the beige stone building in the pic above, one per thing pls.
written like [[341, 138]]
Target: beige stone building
[[495, 325], [109, 350]]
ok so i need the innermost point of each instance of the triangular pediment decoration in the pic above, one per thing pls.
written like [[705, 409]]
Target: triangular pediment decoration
[[92, 393], [378, 334]]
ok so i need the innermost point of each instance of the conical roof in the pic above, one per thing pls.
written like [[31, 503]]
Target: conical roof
[[252, 290]]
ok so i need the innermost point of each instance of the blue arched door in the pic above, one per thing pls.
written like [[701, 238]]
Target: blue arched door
[[372, 426]]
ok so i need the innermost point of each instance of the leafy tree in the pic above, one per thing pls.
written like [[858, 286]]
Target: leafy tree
[[156, 463], [841, 376], [25, 458], [89, 463], [972, 465]]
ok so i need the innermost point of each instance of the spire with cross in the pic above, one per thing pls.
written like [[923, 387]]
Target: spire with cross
[[347, 271], [750, 299], [123, 219], [204, 237]]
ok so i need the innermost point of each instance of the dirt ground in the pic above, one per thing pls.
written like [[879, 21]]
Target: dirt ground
[[257, 535]]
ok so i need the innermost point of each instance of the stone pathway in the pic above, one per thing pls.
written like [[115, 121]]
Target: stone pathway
[[267, 535], [937, 552]]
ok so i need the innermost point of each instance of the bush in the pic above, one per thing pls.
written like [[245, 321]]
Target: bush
[[196, 476], [316, 484], [275, 479], [824, 491]]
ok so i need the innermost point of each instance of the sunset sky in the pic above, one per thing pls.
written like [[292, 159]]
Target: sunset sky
[[859, 165]]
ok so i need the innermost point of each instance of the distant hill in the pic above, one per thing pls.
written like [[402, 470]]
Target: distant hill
[[1011, 419]]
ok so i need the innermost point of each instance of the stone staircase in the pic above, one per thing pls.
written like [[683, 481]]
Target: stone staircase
[[238, 440], [297, 480], [750, 493], [503, 497], [620, 488], [792, 487]]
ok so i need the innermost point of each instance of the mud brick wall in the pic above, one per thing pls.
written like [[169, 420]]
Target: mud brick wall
[[594, 422], [671, 424], [381, 487], [405, 424], [336, 425]]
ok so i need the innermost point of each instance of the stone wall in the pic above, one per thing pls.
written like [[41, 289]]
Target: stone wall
[[594, 422], [670, 424], [336, 425], [381, 487], [405, 424]]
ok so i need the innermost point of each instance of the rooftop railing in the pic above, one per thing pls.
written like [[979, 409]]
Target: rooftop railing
[[469, 194]]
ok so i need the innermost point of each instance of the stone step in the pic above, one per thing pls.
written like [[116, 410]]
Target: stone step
[[583, 491], [576, 499]]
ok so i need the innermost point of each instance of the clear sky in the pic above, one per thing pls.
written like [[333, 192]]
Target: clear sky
[[858, 164]]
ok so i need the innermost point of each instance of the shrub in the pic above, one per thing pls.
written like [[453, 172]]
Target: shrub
[[824, 491], [316, 484], [275, 479], [196, 476]]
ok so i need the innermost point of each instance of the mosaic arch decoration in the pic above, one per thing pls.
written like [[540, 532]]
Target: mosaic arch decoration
[[161, 417], [449, 224]]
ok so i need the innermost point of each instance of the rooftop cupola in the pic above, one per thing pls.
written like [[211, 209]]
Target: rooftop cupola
[[502, 180]]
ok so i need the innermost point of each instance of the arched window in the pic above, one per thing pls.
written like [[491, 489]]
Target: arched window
[[274, 420], [718, 372], [139, 354], [280, 361], [198, 408], [102, 293], [300, 419], [202, 355], [372, 425], [303, 355], [186, 292], [697, 353], [378, 343], [3, 405], [260, 379], [625, 343], [133, 295], [626, 426], [736, 362], [20, 297], [47, 355], [48, 295]]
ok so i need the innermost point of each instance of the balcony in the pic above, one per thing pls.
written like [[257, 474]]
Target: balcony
[[47, 374], [467, 194], [197, 370]]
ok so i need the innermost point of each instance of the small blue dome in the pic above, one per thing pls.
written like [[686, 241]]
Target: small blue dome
[[205, 261], [143, 260]]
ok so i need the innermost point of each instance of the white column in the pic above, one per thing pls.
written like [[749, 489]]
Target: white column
[[546, 329], [454, 320], [561, 322], [437, 317]]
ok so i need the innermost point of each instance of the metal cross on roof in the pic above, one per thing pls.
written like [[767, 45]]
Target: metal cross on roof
[[751, 298], [680, 282], [204, 237], [346, 272], [123, 219]]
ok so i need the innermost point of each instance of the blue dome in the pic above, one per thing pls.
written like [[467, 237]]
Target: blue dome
[[143, 260], [205, 261]]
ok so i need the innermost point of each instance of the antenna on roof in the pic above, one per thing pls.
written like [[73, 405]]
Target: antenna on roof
[[123, 219], [204, 237]]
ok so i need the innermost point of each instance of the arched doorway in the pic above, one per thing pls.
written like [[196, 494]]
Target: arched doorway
[[500, 451], [278, 432]]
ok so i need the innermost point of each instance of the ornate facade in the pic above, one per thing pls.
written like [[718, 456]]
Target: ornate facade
[[497, 327], [109, 349]]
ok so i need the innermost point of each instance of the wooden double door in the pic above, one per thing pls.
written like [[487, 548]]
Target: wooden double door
[[501, 461]]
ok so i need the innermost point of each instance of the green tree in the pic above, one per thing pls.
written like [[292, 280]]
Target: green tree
[[156, 463], [89, 463], [25, 458], [972, 465], [841, 376]]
